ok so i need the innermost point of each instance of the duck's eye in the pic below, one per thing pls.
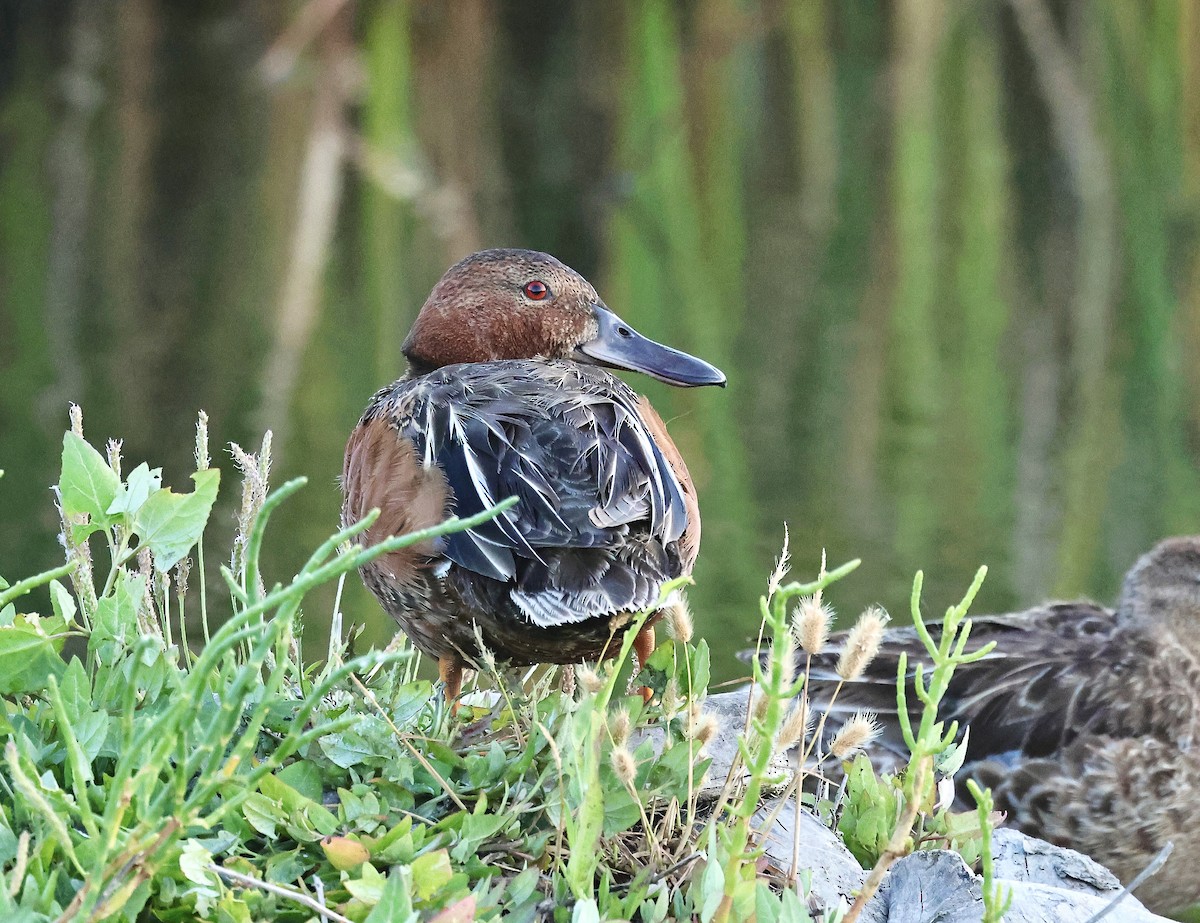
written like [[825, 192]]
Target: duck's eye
[[536, 290]]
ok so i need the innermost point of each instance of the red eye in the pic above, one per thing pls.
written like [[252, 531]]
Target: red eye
[[535, 290]]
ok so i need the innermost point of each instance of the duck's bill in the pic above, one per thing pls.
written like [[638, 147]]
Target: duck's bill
[[620, 346]]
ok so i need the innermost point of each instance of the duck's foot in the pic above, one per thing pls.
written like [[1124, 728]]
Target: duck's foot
[[643, 647], [450, 669]]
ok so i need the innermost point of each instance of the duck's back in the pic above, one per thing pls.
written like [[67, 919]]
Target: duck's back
[[604, 517]]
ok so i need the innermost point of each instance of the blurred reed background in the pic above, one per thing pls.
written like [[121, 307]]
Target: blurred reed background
[[945, 252]]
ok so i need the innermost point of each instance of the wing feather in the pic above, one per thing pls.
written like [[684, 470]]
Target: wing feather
[[599, 510]]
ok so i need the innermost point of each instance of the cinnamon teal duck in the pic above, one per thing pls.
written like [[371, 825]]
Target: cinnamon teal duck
[[508, 394], [1084, 721]]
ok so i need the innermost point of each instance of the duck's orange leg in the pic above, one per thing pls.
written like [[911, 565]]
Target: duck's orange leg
[[643, 647], [450, 669]]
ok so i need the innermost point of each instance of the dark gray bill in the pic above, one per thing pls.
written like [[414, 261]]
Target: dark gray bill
[[620, 346]]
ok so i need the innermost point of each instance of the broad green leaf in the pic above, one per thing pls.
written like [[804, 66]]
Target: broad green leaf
[[170, 523], [138, 487], [369, 888], [76, 689], [194, 861], [116, 624], [430, 873], [304, 777], [28, 657], [87, 486], [585, 911], [712, 890], [63, 602], [393, 903], [262, 813], [91, 729]]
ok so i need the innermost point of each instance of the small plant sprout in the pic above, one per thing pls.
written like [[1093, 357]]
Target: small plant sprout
[[996, 898], [777, 688], [930, 738]]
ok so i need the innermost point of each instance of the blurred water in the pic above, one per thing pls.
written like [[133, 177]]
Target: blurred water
[[954, 289]]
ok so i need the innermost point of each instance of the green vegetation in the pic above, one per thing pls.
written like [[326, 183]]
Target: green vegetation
[[945, 252], [142, 778]]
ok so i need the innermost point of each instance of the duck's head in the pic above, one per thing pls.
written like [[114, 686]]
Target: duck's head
[[1164, 586], [521, 304]]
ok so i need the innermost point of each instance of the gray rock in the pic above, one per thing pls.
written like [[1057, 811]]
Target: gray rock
[[927, 887], [836, 874], [729, 710], [1017, 857], [937, 887]]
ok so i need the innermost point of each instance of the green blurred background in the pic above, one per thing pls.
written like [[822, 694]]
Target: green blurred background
[[945, 252]]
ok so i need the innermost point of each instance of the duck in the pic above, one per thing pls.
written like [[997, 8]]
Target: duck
[[1084, 720], [509, 392]]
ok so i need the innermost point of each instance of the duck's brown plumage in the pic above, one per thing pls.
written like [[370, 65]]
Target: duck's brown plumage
[[1084, 721], [606, 510]]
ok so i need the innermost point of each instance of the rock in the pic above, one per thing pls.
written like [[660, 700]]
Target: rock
[[836, 874], [729, 710], [1017, 857], [1048, 884], [926, 887]]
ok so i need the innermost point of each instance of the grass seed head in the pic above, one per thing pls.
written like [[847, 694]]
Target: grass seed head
[[623, 765], [705, 729], [670, 697], [854, 735], [679, 620], [797, 725], [590, 680], [810, 624], [862, 644], [618, 726]]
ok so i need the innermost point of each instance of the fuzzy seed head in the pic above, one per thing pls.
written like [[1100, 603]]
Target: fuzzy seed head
[[854, 735], [796, 726], [623, 765], [810, 624], [618, 726], [679, 620], [670, 697], [590, 680], [706, 729], [758, 703], [862, 644]]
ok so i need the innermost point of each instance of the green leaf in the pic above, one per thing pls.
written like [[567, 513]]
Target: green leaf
[[370, 886], [262, 813], [430, 873], [393, 904], [712, 890], [116, 624], [304, 777], [87, 486], [63, 602], [140, 484], [170, 523], [586, 911], [28, 657]]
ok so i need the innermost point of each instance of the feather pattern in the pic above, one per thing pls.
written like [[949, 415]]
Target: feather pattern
[[596, 530], [1082, 719]]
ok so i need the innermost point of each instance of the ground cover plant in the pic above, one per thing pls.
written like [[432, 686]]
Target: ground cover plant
[[146, 777]]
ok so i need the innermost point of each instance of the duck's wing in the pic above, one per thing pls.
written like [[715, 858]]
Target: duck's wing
[[1041, 685], [599, 510]]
